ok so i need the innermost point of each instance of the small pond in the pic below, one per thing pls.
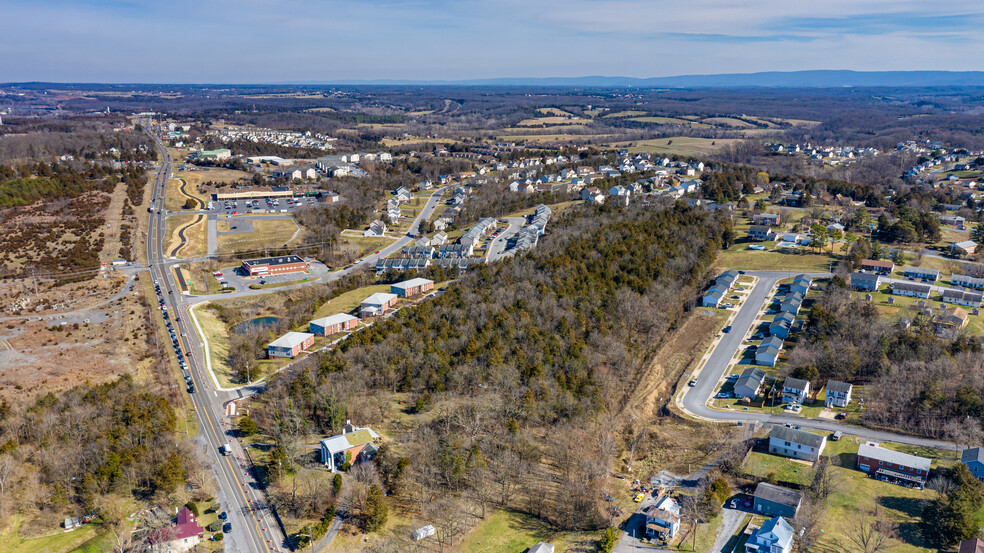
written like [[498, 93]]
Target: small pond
[[259, 323]]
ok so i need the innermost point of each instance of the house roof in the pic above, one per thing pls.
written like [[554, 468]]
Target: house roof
[[966, 245], [871, 450], [186, 525], [773, 341], [542, 547], [778, 494], [342, 442], [412, 283], [795, 383], [974, 545], [759, 228], [911, 287], [869, 277], [881, 264], [801, 437], [290, 340], [778, 528], [972, 454], [379, 298], [332, 320], [273, 261], [838, 386], [920, 271]]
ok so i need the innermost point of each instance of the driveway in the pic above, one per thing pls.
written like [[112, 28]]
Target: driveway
[[730, 523]]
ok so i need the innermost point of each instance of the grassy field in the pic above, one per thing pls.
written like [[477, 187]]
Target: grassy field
[[349, 301], [551, 121], [366, 244], [218, 344], [669, 121], [625, 114], [739, 257], [554, 111], [555, 208], [680, 145], [279, 284], [728, 122], [551, 137], [56, 541], [174, 199], [513, 532], [879, 299], [266, 233], [195, 235]]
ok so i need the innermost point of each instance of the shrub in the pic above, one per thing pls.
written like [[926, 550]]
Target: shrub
[[608, 540], [193, 507]]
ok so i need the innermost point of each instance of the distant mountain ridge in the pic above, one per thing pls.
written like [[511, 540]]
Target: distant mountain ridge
[[768, 79]]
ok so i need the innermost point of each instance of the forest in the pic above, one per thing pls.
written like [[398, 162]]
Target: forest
[[525, 364]]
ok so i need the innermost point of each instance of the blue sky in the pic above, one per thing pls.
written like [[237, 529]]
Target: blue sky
[[257, 41]]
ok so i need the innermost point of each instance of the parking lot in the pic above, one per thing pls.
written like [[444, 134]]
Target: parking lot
[[260, 205]]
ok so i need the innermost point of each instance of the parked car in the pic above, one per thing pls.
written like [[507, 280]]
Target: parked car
[[836, 436], [726, 329]]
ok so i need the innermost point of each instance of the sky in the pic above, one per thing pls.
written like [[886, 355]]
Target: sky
[[271, 41]]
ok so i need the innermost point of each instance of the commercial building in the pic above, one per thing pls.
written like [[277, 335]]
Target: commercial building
[[412, 287], [216, 155], [290, 344], [893, 466], [333, 324], [275, 265], [377, 304]]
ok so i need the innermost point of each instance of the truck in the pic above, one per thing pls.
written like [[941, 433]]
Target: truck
[[225, 449]]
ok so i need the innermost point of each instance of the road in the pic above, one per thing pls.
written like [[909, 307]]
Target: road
[[695, 400], [497, 249], [254, 527]]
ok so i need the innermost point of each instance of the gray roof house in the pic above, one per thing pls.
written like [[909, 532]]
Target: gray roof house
[[838, 394], [974, 459], [797, 444], [795, 390], [792, 304], [911, 289], [774, 536], [768, 353], [780, 328], [800, 284], [865, 281], [712, 298], [775, 500], [749, 382]]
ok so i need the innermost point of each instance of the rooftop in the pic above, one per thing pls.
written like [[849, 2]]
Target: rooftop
[[285, 260], [379, 298], [412, 283], [801, 437], [778, 494], [871, 450], [290, 340], [333, 319]]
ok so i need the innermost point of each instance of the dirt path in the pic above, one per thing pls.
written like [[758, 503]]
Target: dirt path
[[114, 219]]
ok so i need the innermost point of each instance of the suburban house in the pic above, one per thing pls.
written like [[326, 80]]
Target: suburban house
[[960, 297], [911, 289], [974, 459], [766, 219], [749, 383], [921, 273], [967, 281], [879, 266], [377, 304], [182, 536], [418, 252], [951, 318], [773, 500], [760, 233], [274, 265], [838, 394], [774, 536], [712, 297], [967, 247], [354, 445], [593, 194], [768, 353], [973, 545], [663, 519], [797, 444], [333, 324], [780, 327], [542, 547], [868, 282], [412, 287], [290, 344], [791, 304], [800, 285], [795, 390], [376, 228], [893, 466]]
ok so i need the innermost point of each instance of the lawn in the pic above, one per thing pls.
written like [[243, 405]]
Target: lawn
[[551, 121], [267, 233], [510, 532], [56, 541], [349, 301], [667, 121], [625, 114], [366, 244], [279, 284], [728, 122], [555, 208], [218, 344], [786, 470]]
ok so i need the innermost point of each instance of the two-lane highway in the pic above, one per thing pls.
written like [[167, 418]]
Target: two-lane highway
[[254, 528]]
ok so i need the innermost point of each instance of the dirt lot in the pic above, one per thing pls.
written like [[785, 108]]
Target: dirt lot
[[45, 355], [21, 297]]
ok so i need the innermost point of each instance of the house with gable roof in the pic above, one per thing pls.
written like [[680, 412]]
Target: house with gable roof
[[354, 445]]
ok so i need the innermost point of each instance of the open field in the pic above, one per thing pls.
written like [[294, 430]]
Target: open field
[[267, 233], [763, 464], [349, 301], [194, 234], [279, 284], [554, 111], [551, 137], [55, 541], [174, 197], [801, 260], [728, 122], [365, 244], [557, 209], [550, 121], [680, 145], [390, 142], [513, 532], [625, 114], [669, 121]]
